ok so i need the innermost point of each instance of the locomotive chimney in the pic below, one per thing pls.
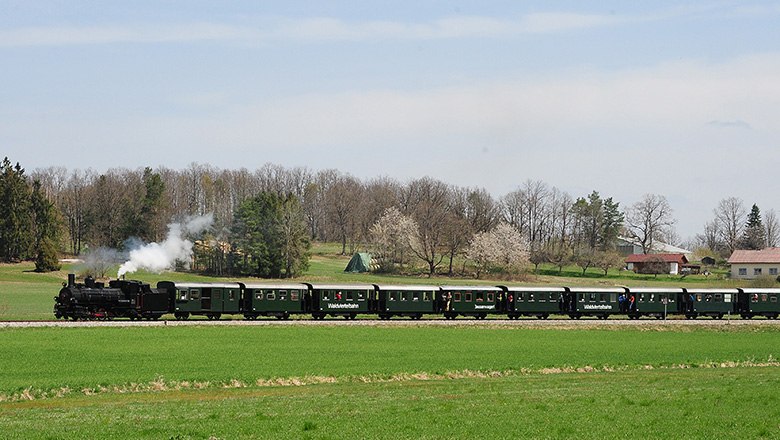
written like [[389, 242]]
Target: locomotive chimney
[[71, 280]]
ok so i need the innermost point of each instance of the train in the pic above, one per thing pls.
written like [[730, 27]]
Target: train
[[136, 300]]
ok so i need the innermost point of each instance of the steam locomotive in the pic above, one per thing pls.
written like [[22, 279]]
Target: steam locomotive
[[138, 300]]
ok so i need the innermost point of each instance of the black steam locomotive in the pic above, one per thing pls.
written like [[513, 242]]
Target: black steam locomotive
[[120, 299], [138, 300]]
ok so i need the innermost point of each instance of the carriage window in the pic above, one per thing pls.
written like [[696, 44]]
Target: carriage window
[[270, 295], [582, 297], [641, 298], [393, 296], [490, 296], [194, 294], [457, 296], [259, 294], [727, 298], [282, 295], [294, 295], [764, 296], [416, 296], [554, 296], [426, 296], [361, 295], [773, 299], [231, 295], [325, 295], [467, 297], [613, 297], [350, 296], [530, 297], [718, 298], [662, 298], [404, 296], [183, 295], [593, 297], [479, 296], [603, 297], [698, 297]]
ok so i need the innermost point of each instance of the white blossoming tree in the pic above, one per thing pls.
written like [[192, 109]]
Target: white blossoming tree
[[393, 237], [502, 247]]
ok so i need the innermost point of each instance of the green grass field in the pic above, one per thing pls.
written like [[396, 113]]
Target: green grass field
[[389, 382]]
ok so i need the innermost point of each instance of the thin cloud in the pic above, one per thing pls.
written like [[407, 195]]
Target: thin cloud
[[730, 124], [317, 29]]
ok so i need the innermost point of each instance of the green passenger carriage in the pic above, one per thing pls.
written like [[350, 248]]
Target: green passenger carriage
[[540, 302], [209, 299], [347, 300], [411, 301], [596, 301], [710, 302], [658, 302], [476, 301], [759, 302], [278, 300]]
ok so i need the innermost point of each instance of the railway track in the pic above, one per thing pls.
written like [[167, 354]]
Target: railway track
[[521, 323]]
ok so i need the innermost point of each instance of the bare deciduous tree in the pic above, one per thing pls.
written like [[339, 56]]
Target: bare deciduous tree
[[729, 220], [771, 228], [649, 220], [427, 201]]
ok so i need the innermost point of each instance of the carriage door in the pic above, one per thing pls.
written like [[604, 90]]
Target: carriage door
[[205, 299], [743, 303]]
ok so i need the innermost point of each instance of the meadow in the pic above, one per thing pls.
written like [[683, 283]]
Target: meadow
[[389, 382]]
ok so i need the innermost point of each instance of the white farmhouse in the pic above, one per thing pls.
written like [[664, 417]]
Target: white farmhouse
[[748, 264]]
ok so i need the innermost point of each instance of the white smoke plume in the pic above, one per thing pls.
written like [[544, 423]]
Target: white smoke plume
[[157, 257]]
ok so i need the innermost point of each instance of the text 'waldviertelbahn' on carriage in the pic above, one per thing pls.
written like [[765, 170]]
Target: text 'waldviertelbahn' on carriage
[[138, 300]]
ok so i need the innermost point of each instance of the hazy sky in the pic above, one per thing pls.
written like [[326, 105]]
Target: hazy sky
[[627, 98]]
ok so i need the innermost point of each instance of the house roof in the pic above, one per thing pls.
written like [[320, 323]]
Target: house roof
[[668, 258], [658, 246], [768, 255]]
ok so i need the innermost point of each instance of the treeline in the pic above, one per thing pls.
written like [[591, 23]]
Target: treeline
[[105, 209], [422, 222]]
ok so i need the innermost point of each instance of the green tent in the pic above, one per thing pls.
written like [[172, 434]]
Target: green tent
[[360, 262]]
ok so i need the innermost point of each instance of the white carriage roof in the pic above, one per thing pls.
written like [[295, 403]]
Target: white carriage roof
[[406, 287], [597, 289], [760, 290], [535, 289], [207, 285], [271, 286], [655, 290], [343, 286], [492, 288], [705, 291]]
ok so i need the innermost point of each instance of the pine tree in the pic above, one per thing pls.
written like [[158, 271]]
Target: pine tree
[[16, 238], [270, 236], [754, 235]]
